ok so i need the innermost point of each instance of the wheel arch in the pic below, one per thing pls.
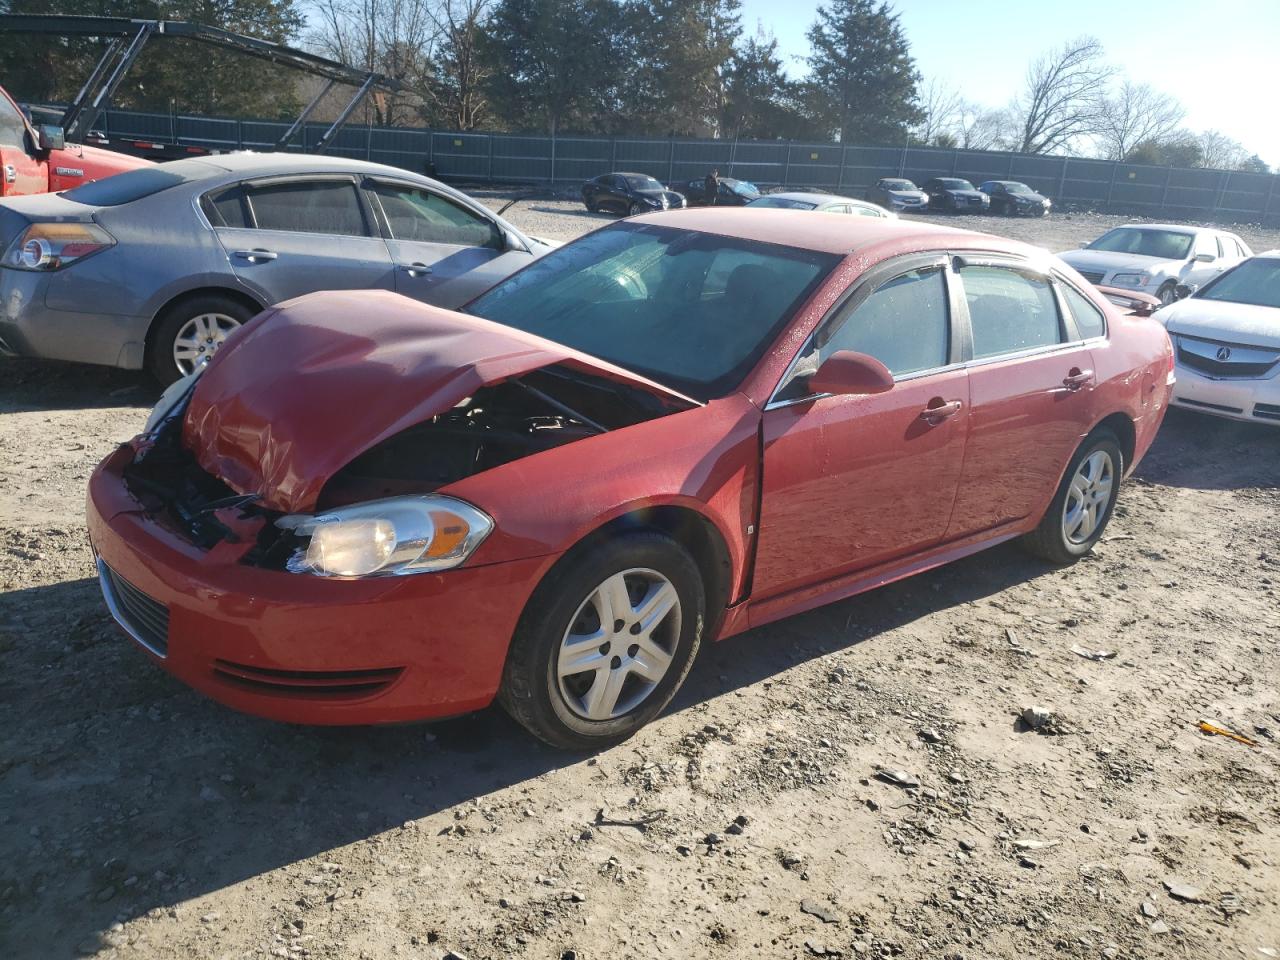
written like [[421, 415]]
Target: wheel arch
[[232, 293], [690, 528], [1122, 425]]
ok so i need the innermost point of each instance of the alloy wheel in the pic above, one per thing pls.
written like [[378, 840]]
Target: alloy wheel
[[1087, 498], [619, 645], [200, 338]]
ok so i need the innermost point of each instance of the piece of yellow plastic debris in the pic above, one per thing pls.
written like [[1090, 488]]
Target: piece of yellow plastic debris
[[1220, 731]]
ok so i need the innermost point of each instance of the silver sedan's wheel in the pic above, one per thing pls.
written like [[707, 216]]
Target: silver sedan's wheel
[[619, 645], [1088, 497], [1167, 294], [200, 338]]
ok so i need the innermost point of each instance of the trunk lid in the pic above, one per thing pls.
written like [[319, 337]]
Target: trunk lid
[[310, 385]]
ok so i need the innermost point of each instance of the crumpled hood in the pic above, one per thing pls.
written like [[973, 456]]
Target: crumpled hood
[[1220, 320], [305, 388]]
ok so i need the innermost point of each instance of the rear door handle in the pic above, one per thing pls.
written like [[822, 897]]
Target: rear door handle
[[415, 269], [257, 255], [940, 411], [1077, 379]]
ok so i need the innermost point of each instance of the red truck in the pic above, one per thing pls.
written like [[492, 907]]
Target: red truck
[[37, 159]]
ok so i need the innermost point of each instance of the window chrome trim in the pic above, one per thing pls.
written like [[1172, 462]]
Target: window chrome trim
[[872, 280]]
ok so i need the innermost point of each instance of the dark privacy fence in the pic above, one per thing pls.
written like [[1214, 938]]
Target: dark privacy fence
[[1175, 193]]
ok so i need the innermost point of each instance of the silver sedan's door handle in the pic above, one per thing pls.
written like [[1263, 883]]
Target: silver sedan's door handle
[[415, 269], [257, 255]]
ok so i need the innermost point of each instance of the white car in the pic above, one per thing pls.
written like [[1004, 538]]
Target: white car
[[822, 203], [1154, 258], [1226, 339]]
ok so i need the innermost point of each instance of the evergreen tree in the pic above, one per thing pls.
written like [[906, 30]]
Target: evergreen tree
[[760, 102], [554, 64], [863, 80], [684, 49]]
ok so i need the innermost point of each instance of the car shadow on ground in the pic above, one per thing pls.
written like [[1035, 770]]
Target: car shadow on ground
[[1201, 452], [198, 798], [52, 385], [584, 213]]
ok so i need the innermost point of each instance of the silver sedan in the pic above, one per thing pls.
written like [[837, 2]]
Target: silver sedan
[[156, 267]]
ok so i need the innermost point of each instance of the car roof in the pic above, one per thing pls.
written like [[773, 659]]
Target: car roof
[[1172, 227], [808, 196], [828, 234], [249, 164]]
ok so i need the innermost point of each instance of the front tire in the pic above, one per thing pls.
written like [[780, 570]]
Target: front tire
[[1083, 505], [190, 332], [605, 642], [1167, 293], [634, 210]]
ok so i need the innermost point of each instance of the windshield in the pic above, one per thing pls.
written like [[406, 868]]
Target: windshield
[[1144, 242], [898, 185], [742, 187], [1255, 282], [1018, 188], [136, 184], [956, 184], [692, 311], [636, 182], [785, 202]]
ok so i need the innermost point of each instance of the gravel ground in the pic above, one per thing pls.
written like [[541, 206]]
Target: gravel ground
[[852, 782]]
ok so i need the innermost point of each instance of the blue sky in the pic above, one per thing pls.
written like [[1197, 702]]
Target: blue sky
[[1220, 59]]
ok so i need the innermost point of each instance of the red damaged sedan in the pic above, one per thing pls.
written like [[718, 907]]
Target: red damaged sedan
[[671, 430]]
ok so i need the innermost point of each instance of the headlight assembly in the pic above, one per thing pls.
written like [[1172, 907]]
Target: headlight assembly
[[392, 537], [1130, 279]]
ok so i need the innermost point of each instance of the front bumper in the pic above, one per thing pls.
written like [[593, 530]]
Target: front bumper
[[298, 648], [1251, 401], [29, 328]]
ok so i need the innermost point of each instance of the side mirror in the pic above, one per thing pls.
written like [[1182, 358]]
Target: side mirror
[[51, 137], [1184, 290], [1205, 258], [847, 372], [1084, 244]]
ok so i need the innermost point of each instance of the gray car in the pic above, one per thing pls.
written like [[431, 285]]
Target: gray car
[[155, 267]]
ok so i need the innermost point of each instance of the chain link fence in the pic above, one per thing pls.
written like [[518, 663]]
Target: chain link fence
[[1134, 189]]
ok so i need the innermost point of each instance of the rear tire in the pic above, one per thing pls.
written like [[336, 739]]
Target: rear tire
[[213, 314], [1083, 504], [575, 694]]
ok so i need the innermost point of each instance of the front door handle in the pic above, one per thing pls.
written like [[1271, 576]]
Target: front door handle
[[1077, 378], [939, 410], [415, 269], [257, 255]]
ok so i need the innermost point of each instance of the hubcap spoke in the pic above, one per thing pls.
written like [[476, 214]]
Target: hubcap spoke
[[200, 337], [1088, 496], [607, 668]]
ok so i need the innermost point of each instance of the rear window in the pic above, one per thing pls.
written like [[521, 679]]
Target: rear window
[[135, 184]]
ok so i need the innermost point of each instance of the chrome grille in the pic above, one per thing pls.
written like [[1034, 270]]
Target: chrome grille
[[1093, 276], [144, 619], [1226, 361]]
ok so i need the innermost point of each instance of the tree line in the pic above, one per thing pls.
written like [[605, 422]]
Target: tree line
[[633, 67]]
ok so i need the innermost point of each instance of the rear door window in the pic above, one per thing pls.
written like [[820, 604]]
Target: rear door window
[[1009, 310], [309, 206]]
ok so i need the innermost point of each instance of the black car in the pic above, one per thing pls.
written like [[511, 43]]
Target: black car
[[953, 195], [732, 193], [1015, 199], [628, 194]]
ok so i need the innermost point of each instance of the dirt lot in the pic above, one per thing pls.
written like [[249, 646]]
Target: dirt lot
[[139, 820]]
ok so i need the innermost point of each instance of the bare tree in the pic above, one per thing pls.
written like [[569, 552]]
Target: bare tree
[[1135, 114], [1064, 95], [942, 107], [1220, 152], [980, 128], [394, 37], [460, 90]]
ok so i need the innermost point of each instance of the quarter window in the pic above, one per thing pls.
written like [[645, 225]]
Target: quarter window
[[414, 214], [227, 209], [309, 207], [1089, 319], [1009, 310]]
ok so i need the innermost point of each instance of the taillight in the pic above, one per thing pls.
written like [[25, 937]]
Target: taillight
[[52, 246]]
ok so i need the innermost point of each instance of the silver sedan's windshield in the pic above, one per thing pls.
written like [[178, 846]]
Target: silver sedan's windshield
[[1145, 242], [693, 311]]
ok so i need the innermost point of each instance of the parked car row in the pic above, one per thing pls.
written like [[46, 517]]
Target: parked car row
[[633, 193]]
